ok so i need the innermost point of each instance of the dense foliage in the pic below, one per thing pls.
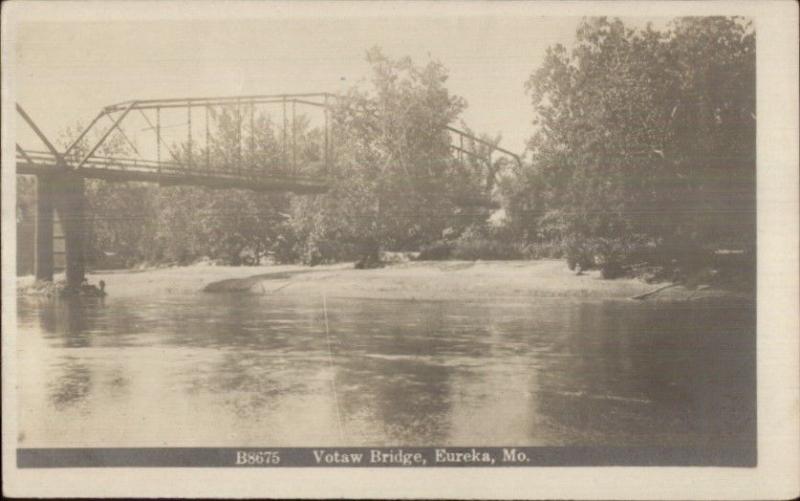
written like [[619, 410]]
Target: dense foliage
[[645, 140], [396, 184]]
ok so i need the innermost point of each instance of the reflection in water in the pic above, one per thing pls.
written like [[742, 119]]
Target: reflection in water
[[203, 369], [75, 319], [72, 384]]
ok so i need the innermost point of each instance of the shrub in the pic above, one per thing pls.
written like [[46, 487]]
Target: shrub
[[540, 250], [484, 242], [369, 262], [483, 248], [369, 255], [578, 253], [324, 251], [613, 256], [286, 250], [611, 269], [435, 251]]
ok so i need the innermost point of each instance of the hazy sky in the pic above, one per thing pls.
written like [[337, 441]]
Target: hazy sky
[[67, 71]]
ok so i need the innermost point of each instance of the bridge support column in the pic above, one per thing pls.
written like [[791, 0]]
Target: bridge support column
[[43, 246], [69, 201]]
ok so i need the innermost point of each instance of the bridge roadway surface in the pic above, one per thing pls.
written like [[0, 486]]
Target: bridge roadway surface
[[169, 173]]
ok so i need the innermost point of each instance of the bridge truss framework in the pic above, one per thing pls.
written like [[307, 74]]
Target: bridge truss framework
[[60, 174]]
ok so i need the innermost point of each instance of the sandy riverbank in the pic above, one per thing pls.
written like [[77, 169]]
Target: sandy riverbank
[[411, 280]]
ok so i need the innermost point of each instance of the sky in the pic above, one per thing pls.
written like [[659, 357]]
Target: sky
[[66, 72]]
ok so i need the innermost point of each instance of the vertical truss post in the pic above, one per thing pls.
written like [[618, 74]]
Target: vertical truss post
[[326, 134], [490, 174], [208, 141], [253, 133], [239, 137], [285, 153], [189, 122], [158, 138], [332, 138], [294, 137]]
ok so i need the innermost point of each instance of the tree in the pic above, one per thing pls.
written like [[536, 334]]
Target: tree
[[643, 136], [394, 171]]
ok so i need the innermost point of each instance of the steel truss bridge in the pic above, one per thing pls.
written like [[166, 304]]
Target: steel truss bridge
[[181, 154]]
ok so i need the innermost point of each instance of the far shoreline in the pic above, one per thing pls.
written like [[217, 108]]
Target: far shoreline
[[410, 280]]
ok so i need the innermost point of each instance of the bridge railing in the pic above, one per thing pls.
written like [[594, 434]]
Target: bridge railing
[[43, 159]]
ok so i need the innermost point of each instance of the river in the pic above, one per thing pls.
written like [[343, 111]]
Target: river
[[235, 369]]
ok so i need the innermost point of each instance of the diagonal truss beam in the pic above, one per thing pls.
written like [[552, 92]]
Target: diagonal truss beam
[[59, 158], [25, 155], [83, 134], [158, 127], [106, 134]]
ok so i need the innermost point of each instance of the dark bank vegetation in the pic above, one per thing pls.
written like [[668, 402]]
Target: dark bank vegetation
[[645, 148], [642, 162]]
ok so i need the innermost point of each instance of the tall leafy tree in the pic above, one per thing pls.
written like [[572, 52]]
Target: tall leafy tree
[[644, 135], [392, 186]]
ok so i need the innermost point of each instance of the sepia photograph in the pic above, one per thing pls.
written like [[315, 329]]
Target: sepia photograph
[[336, 235]]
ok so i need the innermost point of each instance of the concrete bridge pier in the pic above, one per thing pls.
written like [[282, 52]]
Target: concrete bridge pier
[[43, 246], [63, 192]]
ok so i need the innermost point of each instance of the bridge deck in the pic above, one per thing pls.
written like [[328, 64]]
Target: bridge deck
[[171, 174]]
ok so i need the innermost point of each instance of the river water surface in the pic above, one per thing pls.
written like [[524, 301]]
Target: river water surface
[[232, 370]]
